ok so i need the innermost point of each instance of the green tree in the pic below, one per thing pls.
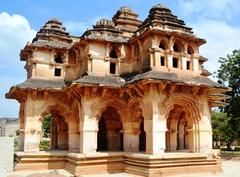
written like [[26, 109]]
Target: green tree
[[46, 125], [222, 129], [229, 75]]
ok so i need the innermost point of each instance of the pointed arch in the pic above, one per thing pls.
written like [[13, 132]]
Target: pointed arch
[[163, 45], [182, 106], [190, 50], [178, 46]]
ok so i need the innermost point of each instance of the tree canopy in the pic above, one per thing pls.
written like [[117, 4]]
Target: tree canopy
[[229, 75]]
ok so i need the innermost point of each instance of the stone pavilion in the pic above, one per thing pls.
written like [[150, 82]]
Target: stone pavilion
[[126, 96]]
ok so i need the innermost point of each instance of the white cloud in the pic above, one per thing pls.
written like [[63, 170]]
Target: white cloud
[[213, 21], [221, 37], [223, 9], [15, 32]]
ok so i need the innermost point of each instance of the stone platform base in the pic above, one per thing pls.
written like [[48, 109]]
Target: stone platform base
[[116, 162]]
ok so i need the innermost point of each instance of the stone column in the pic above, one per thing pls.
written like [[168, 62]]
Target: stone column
[[88, 135], [154, 124], [205, 129], [73, 141], [73, 135], [21, 126], [169, 60], [195, 64], [184, 63], [88, 124], [131, 141], [31, 134], [157, 58], [173, 140], [181, 135], [62, 136], [152, 58], [181, 140]]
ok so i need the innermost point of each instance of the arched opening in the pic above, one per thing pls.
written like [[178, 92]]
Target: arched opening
[[113, 53], [190, 50], [179, 136], [163, 45], [177, 47], [59, 133], [110, 136], [55, 132], [142, 137]]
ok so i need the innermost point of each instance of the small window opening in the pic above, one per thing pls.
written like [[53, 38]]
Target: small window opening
[[176, 48], [162, 46], [57, 72], [162, 61], [113, 54], [58, 59], [175, 62], [113, 68], [188, 65]]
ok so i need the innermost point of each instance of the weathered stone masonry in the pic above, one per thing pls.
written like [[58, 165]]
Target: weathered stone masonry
[[124, 85]]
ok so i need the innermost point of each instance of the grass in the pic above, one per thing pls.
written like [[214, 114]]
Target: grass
[[230, 153]]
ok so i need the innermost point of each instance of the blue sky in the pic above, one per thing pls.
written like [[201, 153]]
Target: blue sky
[[216, 21]]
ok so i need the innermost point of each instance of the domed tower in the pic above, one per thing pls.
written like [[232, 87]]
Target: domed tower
[[104, 46], [172, 45], [162, 17], [47, 56], [126, 20]]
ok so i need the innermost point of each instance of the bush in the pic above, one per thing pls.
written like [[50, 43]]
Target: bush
[[44, 145], [16, 144]]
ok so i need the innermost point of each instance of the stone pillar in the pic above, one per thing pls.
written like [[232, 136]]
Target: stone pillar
[[131, 141], [181, 134], [181, 140], [152, 58], [73, 134], [88, 135], [205, 129], [31, 132], [73, 141], [169, 60], [184, 63], [173, 140], [62, 139], [157, 58], [21, 126], [205, 140], [31, 141], [88, 124], [195, 64], [154, 124]]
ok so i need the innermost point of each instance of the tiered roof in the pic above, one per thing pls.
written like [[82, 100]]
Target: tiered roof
[[126, 19], [162, 17], [54, 35], [51, 35]]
